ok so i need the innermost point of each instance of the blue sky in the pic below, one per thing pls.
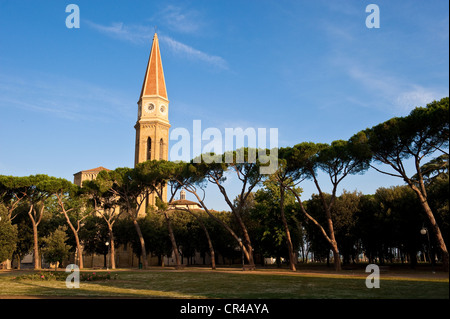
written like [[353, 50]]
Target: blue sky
[[312, 69]]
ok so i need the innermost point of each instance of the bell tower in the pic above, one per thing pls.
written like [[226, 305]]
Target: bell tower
[[152, 126]]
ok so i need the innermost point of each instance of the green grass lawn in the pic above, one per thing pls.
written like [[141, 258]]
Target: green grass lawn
[[229, 283]]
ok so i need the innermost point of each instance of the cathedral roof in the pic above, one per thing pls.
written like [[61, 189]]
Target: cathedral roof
[[94, 170], [183, 202], [154, 83]]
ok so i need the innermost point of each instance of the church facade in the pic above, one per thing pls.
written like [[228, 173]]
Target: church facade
[[152, 125], [151, 143]]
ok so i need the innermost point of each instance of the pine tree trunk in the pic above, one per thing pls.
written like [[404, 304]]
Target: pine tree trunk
[[37, 264], [77, 239], [436, 231], [80, 251], [228, 228], [141, 240], [210, 245], [112, 247], [211, 249], [334, 246], [173, 241], [248, 249], [337, 260], [292, 260]]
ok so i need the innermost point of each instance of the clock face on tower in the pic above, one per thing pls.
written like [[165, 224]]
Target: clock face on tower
[[150, 108]]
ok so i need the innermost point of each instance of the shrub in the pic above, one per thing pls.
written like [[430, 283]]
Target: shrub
[[96, 276], [52, 275], [44, 275]]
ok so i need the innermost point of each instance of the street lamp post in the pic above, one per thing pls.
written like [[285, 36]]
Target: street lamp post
[[242, 252], [424, 231], [107, 262]]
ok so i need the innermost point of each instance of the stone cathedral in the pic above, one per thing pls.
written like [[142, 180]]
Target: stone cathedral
[[152, 143], [152, 125]]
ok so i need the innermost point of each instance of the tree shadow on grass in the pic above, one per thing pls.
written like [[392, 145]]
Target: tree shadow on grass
[[91, 290], [179, 285]]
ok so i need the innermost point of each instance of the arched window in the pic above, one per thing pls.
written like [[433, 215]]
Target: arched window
[[161, 149], [149, 149]]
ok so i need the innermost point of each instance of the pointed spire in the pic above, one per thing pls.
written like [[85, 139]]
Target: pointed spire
[[154, 83]]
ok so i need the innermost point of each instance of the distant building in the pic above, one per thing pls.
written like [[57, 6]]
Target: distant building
[[152, 125], [183, 203], [152, 143], [88, 175]]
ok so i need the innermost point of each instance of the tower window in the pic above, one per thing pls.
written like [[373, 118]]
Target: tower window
[[149, 149], [161, 149]]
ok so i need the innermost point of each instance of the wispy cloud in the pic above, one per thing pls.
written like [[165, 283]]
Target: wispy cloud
[[136, 34], [398, 94], [139, 34], [181, 20], [192, 53], [61, 97], [375, 84], [419, 96], [337, 33]]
